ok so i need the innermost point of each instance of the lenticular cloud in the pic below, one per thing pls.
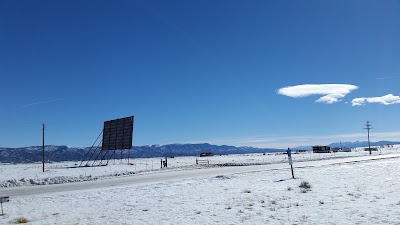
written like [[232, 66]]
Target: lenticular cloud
[[331, 93]]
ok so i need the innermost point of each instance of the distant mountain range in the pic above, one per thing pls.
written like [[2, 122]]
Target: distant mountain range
[[355, 144], [65, 153]]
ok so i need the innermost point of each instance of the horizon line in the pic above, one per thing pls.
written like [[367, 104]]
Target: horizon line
[[199, 143]]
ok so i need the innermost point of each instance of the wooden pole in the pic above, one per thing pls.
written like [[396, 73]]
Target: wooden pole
[[369, 145], [368, 127], [43, 147], [289, 153]]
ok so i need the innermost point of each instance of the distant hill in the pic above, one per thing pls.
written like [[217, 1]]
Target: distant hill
[[355, 144], [65, 153], [363, 144]]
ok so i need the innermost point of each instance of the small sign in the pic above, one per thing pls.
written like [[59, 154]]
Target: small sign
[[3, 199], [289, 153]]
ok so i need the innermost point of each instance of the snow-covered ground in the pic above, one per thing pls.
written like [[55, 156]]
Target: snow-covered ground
[[56, 173], [351, 193]]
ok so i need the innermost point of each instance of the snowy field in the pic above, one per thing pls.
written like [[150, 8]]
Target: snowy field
[[57, 173], [351, 193]]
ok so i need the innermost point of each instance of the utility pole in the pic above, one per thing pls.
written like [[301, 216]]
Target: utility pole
[[368, 127], [43, 147]]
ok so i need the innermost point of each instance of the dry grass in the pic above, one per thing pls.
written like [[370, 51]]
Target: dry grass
[[21, 220]]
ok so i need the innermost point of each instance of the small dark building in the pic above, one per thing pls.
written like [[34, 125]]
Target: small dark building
[[372, 149], [301, 151], [321, 149], [203, 154]]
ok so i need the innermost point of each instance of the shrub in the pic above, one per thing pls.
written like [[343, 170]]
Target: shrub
[[305, 185], [303, 218], [21, 220], [289, 188]]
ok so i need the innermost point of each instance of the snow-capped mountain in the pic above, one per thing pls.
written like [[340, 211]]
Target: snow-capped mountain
[[65, 153], [351, 144]]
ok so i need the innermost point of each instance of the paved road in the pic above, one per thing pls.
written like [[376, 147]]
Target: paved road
[[143, 179]]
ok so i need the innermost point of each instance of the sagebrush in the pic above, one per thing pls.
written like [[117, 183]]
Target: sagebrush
[[305, 185]]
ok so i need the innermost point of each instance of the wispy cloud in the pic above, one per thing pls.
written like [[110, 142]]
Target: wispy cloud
[[331, 93], [384, 78], [42, 102], [385, 100], [388, 76]]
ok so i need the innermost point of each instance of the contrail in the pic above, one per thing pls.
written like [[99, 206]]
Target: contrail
[[42, 102], [387, 77], [383, 78]]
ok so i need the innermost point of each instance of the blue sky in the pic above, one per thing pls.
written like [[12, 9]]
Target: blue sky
[[223, 72]]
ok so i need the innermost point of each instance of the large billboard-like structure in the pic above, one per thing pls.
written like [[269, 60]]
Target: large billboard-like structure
[[117, 134]]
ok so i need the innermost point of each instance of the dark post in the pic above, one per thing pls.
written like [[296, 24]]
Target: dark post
[[166, 162], [289, 153], [43, 148], [291, 167]]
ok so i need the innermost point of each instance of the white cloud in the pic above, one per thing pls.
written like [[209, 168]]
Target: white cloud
[[331, 92], [385, 100]]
